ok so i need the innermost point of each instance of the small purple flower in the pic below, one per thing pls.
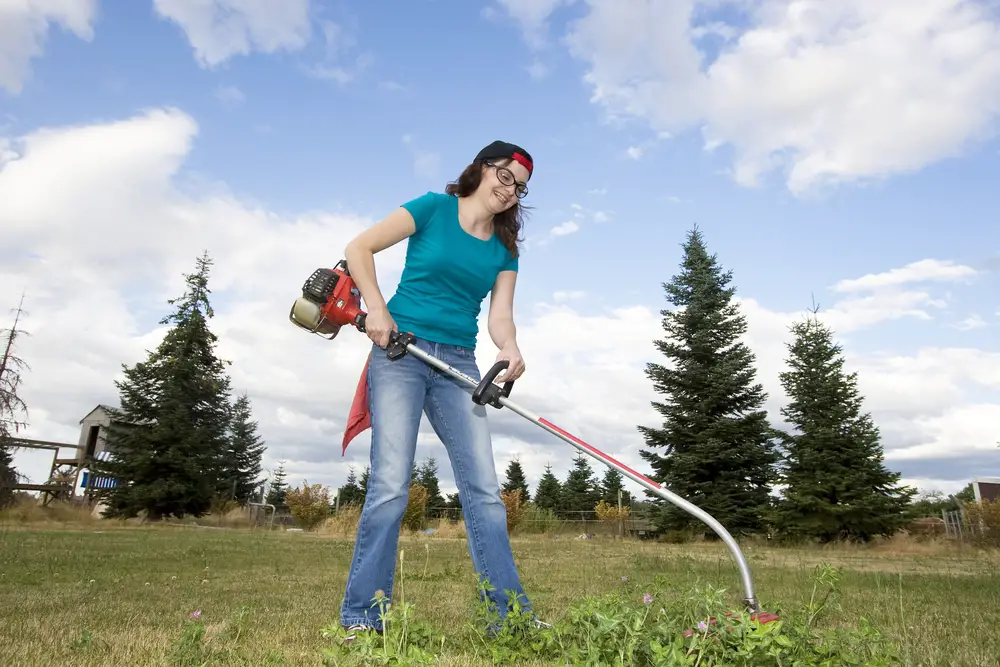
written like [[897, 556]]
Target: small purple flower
[[702, 625], [196, 614], [647, 598], [624, 577]]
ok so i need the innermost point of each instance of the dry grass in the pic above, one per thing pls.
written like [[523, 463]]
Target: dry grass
[[95, 593]]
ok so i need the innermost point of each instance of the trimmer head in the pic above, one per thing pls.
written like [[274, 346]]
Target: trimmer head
[[762, 617]]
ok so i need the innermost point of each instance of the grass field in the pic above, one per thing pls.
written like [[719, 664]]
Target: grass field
[[110, 594]]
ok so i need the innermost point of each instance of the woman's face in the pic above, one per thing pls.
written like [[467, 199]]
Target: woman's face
[[501, 184]]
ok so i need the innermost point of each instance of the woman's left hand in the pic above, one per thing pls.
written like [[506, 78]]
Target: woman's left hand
[[511, 353]]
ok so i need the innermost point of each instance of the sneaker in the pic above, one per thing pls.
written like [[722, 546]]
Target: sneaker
[[354, 630]]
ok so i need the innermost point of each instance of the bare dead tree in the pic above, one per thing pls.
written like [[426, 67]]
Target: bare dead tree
[[11, 405]]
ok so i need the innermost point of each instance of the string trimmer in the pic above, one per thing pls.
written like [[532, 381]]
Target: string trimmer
[[331, 300]]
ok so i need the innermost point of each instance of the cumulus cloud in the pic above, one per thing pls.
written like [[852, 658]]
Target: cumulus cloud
[[24, 27], [531, 16], [822, 92], [220, 29], [99, 231]]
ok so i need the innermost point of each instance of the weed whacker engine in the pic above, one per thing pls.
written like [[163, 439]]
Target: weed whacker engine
[[330, 300]]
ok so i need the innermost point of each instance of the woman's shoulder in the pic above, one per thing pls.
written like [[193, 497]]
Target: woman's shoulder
[[424, 207], [434, 197]]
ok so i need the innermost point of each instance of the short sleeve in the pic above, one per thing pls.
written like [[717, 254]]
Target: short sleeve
[[510, 265], [422, 208]]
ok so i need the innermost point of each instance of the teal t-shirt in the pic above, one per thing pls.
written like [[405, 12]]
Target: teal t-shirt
[[447, 275]]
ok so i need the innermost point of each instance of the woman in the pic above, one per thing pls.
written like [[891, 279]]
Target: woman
[[462, 246]]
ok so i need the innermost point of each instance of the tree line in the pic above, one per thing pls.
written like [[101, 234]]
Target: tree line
[[821, 477], [573, 498], [180, 444]]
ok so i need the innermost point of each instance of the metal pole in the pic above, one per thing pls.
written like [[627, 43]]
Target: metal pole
[[749, 595]]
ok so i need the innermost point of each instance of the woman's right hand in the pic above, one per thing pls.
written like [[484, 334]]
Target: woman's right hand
[[379, 325]]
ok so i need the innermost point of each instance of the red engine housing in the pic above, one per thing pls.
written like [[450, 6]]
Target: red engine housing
[[337, 297]]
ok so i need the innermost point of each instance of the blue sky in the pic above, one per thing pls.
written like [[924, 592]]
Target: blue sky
[[372, 104]]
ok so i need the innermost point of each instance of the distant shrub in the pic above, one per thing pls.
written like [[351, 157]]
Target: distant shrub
[[415, 516], [983, 518], [514, 502], [608, 512], [310, 505]]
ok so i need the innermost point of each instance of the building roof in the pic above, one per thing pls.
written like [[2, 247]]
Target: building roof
[[100, 406]]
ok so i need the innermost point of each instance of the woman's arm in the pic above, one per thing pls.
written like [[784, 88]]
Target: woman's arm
[[360, 253], [360, 256], [500, 323]]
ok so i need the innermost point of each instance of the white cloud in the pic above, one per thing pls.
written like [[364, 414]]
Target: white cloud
[[24, 27], [570, 295], [564, 229], [220, 29], [100, 233], [823, 92], [531, 16], [101, 236], [925, 270], [538, 70], [230, 95], [426, 164], [971, 322]]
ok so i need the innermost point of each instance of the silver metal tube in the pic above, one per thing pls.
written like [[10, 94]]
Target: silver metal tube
[[749, 597]]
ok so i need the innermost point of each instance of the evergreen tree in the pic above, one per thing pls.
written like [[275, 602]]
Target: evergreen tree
[[836, 486], [515, 480], [11, 406], [351, 493], [245, 448], [278, 487], [168, 440], [716, 442], [549, 491], [363, 482], [427, 477], [611, 484], [580, 492]]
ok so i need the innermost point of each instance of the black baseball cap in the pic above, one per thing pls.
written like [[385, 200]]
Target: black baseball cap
[[503, 149]]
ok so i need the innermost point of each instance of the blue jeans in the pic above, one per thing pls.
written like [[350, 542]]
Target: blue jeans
[[399, 392]]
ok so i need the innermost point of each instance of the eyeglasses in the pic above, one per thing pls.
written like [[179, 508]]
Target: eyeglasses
[[506, 176]]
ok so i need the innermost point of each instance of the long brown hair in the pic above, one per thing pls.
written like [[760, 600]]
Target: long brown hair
[[507, 225]]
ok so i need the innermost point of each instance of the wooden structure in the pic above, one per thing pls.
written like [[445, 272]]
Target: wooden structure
[[986, 488], [65, 472]]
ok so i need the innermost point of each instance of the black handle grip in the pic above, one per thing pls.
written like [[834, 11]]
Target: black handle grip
[[360, 321], [489, 393]]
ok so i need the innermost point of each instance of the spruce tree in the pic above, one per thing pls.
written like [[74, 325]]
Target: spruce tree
[[515, 480], [580, 492], [836, 486], [549, 490], [363, 482], [168, 440], [613, 482], [351, 493], [242, 467], [278, 487], [427, 477], [715, 447]]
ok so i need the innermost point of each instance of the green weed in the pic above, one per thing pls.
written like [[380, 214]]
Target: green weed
[[651, 626]]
